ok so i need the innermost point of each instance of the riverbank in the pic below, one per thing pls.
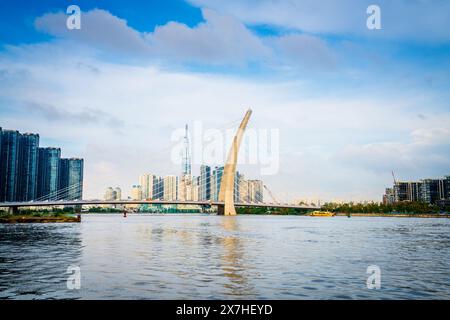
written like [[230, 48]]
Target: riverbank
[[395, 215], [39, 219]]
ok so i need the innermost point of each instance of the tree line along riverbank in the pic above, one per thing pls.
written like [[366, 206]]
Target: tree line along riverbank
[[400, 208], [42, 216]]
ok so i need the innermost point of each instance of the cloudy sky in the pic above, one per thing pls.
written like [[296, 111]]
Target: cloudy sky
[[350, 104]]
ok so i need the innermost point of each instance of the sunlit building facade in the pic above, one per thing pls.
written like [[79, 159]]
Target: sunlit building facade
[[147, 182], [170, 188]]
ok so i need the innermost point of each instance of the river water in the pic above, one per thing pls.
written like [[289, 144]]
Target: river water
[[214, 257]]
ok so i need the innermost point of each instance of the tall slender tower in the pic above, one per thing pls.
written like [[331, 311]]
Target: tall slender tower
[[226, 194], [186, 163]]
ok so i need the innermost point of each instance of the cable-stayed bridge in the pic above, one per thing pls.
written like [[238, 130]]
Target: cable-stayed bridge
[[226, 200]]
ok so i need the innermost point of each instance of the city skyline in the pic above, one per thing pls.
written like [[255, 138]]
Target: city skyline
[[344, 121], [30, 172], [154, 187]]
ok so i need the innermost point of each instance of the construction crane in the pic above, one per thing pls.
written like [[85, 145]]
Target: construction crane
[[393, 176], [271, 195], [394, 189]]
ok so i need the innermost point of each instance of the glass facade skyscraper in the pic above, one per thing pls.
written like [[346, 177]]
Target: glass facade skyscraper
[[429, 191], [48, 177], [71, 179], [28, 172], [205, 183], [27, 167], [216, 179], [9, 165], [447, 187]]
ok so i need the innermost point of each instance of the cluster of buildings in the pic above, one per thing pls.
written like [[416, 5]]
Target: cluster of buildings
[[32, 173], [431, 191], [187, 187], [205, 187]]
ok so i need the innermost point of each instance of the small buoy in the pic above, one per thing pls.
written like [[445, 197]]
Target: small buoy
[[124, 214]]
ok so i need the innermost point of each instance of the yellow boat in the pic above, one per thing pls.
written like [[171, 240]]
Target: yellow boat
[[321, 214]]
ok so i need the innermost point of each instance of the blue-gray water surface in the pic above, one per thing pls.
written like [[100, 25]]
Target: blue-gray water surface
[[214, 257]]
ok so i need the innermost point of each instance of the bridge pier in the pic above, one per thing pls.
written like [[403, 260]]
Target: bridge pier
[[221, 209], [13, 210]]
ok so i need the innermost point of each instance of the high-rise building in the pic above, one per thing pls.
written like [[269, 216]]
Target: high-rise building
[[170, 188], [250, 191], [71, 179], [186, 161], [442, 190], [255, 191], [389, 196], [27, 167], [110, 194], [243, 190], [48, 173], [76, 175], [28, 172], [147, 182], [195, 189], [185, 188], [407, 191], [430, 190], [216, 179], [158, 189], [205, 183], [136, 192], [237, 180], [447, 187], [9, 165], [118, 193]]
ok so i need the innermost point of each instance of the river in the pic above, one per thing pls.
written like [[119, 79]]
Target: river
[[214, 257]]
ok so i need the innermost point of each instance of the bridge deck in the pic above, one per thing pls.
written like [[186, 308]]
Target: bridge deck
[[139, 202]]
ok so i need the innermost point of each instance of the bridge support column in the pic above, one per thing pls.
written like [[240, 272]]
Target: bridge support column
[[221, 210], [13, 210]]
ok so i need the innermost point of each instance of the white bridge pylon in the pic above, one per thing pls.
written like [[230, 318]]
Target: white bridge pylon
[[226, 193]]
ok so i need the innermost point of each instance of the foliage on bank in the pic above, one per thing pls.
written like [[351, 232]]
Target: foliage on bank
[[374, 207], [272, 211], [56, 212]]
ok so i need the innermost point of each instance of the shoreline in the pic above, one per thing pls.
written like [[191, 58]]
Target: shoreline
[[395, 215], [43, 219]]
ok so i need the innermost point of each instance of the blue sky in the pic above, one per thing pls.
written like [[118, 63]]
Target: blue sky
[[351, 104]]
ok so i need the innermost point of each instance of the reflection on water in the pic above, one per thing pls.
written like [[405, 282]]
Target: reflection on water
[[34, 260], [234, 267], [212, 257]]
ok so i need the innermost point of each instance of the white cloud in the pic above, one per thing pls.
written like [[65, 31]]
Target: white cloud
[[99, 29], [219, 40], [88, 95], [423, 20]]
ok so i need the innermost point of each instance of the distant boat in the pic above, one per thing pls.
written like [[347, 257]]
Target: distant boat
[[321, 214]]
